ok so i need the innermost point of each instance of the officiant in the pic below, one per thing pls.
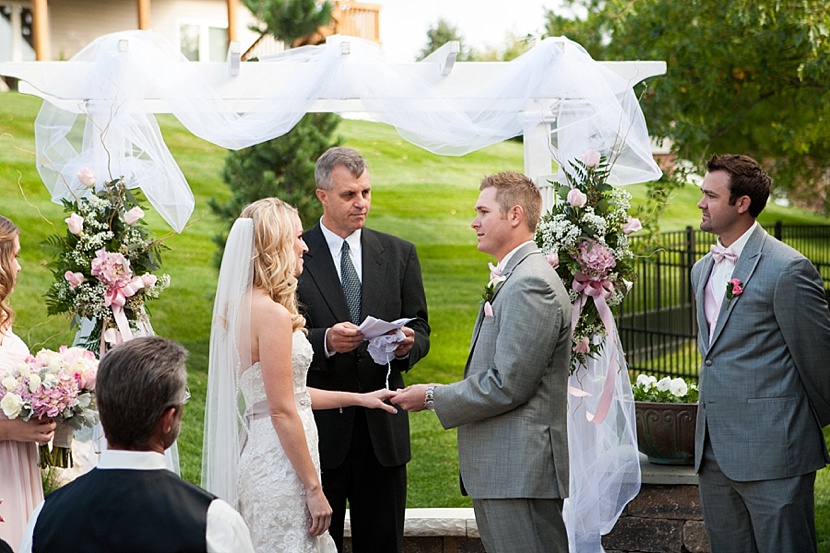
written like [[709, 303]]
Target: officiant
[[352, 272]]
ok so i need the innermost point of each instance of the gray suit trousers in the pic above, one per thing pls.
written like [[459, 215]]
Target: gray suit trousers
[[521, 525]]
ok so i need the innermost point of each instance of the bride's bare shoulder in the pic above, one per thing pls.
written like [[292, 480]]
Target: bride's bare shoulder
[[262, 306]]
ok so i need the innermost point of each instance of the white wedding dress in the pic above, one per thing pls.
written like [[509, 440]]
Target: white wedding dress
[[271, 496]]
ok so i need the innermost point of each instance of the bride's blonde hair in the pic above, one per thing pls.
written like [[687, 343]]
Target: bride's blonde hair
[[8, 232], [274, 258]]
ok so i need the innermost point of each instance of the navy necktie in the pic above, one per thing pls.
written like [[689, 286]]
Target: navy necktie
[[350, 282]]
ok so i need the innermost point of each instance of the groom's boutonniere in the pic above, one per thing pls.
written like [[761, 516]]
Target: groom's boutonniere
[[734, 288], [489, 292]]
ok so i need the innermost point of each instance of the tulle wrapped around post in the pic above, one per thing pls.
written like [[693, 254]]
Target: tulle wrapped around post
[[605, 468]]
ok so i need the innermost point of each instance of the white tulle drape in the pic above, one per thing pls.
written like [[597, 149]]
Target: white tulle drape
[[230, 354], [605, 468], [122, 76]]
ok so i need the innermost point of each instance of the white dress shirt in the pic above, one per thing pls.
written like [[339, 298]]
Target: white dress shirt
[[226, 531], [720, 275]]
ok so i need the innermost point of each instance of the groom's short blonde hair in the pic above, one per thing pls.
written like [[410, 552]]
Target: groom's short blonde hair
[[516, 189]]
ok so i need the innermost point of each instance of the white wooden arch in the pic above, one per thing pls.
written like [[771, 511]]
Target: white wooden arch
[[66, 86]]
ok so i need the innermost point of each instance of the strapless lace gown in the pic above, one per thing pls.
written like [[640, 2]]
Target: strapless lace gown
[[271, 496]]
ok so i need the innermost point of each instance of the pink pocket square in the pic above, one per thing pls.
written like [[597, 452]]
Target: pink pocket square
[[488, 309]]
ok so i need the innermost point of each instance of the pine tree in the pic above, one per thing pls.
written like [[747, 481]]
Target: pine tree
[[282, 167]]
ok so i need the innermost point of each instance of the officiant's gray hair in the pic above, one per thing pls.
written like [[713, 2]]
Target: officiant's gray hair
[[137, 381], [516, 189], [333, 157]]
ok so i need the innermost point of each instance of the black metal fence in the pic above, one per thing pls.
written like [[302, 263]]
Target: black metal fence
[[657, 321]]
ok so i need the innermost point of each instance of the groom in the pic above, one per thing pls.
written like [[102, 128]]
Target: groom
[[764, 338], [511, 407]]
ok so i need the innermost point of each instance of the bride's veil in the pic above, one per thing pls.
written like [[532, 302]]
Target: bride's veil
[[230, 354]]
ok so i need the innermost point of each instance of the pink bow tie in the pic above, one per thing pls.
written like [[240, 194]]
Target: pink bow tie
[[719, 253], [494, 271]]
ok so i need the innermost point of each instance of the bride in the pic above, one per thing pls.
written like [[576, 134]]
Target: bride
[[259, 356]]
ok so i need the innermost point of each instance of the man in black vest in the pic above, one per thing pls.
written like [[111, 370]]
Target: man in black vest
[[130, 502]]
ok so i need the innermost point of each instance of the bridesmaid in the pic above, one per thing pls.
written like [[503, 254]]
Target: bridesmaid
[[20, 485]]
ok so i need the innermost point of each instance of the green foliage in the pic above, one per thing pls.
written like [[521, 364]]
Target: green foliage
[[743, 76], [288, 20], [283, 167], [441, 33]]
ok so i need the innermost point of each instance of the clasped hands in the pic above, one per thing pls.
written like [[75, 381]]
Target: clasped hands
[[345, 337]]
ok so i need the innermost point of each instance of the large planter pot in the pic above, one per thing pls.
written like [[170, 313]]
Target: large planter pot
[[666, 431]]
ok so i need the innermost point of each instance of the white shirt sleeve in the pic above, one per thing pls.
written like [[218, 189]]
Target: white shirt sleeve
[[26, 546], [226, 531]]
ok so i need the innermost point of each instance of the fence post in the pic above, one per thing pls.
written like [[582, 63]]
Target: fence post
[[779, 231], [690, 260]]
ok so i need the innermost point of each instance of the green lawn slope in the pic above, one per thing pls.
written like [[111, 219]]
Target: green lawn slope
[[421, 197]]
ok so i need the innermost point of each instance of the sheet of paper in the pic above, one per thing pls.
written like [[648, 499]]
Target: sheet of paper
[[372, 327]]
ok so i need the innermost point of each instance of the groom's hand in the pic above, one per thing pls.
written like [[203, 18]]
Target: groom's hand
[[343, 337], [411, 398]]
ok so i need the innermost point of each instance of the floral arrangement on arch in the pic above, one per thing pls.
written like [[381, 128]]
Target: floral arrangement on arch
[[585, 238], [54, 384], [103, 265], [665, 390]]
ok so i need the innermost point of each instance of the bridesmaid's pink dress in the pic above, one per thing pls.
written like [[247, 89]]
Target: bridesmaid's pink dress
[[20, 485]]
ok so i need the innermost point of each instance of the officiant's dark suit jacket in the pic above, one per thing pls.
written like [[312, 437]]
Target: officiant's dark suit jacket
[[765, 376], [392, 289]]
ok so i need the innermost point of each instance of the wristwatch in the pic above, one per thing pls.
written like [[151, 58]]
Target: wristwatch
[[429, 400]]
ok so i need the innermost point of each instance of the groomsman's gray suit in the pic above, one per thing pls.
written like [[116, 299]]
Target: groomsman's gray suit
[[765, 377], [511, 407]]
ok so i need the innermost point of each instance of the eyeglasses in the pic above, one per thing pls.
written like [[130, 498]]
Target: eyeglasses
[[186, 395]]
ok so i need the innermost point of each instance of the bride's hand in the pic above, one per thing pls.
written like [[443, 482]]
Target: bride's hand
[[376, 399], [320, 511]]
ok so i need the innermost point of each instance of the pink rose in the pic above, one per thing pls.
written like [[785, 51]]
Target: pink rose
[[75, 223], [87, 177], [583, 345], [590, 159], [553, 259], [633, 225], [148, 280], [576, 198], [133, 215], [74, 279]]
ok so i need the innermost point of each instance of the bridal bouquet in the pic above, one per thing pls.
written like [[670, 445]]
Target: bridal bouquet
[[103, 264], [58, 385], [585, 238]]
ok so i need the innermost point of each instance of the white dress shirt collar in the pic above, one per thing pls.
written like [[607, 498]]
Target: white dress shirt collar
[[335, 244], [132, 460], [738, 245], [506, 259]]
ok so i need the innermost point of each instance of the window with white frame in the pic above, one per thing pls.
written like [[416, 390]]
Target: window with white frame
[[199, 41], [16, 37]]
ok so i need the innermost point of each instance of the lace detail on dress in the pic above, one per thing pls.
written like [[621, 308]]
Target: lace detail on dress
[[271, 496]]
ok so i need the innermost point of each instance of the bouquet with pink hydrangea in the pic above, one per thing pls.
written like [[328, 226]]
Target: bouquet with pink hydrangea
[[585, 237], [57, 385], [103, 263]]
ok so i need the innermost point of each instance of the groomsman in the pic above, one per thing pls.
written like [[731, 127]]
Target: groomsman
[[130, 502], [511, 407], [351, 272], [764, 338]]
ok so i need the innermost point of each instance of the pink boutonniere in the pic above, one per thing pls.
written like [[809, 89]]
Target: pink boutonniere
[[734, 288]]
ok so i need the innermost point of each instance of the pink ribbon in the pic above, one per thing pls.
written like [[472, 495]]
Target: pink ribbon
[[600, 291], [116, 298]]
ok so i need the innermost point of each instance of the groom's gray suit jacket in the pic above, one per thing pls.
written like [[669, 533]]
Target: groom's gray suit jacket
[[765, 376], [511, 407]]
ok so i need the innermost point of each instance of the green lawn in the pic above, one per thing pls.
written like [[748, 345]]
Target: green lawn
[[424, 198]]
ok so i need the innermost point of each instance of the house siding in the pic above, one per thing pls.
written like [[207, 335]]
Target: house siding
[[75, 23]]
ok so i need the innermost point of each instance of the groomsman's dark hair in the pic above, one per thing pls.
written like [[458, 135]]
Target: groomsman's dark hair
[[137, 382], [333, 157], [516, 189], [746, 178]]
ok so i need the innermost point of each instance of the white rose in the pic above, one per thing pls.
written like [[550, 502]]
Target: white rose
[[663, 384], [10, 383], [34, 383], [11, 404]]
